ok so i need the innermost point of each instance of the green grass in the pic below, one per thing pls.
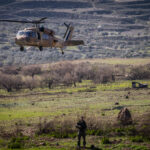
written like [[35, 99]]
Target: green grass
[[99, 142], [85, 86], [100, 98], [105, 140], [137, 139], [39, 148], [127, 146], [96, 102], [116, 61]]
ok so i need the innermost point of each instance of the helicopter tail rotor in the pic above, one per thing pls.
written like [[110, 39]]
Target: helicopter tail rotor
[[69, 32]]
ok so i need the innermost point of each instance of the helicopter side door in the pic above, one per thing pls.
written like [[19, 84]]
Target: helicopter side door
[[46, 40], [32, 38]]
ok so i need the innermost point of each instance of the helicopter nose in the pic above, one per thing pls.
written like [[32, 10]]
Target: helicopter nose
[[23, 39], [20, 40]]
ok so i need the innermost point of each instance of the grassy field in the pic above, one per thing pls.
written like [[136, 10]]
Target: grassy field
[[25, 113], [122, 61], [24, 110]]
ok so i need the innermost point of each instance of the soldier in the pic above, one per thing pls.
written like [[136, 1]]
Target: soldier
[[81, 126]]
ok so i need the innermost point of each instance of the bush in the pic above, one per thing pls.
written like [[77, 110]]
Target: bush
[[119, 131], [140, 72], [11, 70], [17, 142], [137, 139], [102, 73], [10, 82], [30, 83], [51, 128], [131, 130], [32, 71], [58, 134], [97, 132], [15, 145], [64, 73], [48, 80], [105, 140]]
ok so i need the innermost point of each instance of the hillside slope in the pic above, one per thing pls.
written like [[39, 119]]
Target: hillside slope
[[110, 28]]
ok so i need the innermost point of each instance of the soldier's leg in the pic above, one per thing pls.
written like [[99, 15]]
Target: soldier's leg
[[79, 138], [84, 140]]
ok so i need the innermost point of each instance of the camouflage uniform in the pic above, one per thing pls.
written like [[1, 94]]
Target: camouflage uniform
[[81, 125]]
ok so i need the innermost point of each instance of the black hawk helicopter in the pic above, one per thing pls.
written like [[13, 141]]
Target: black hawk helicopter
[[43, 37]]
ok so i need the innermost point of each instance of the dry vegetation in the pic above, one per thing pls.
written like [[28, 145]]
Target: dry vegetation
[[68, 73]]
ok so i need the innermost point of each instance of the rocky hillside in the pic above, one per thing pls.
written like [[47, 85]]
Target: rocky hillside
[[110, 28]]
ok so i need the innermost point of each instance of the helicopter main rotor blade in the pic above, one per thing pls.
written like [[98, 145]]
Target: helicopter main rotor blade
[[16, 21], [42, 19], [38, 21], [19, 21]]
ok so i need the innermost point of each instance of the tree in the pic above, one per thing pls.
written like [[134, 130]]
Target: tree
[[32, 70], [70, 79], [102, 74], [48, 79], [11, 70], [30, 83], [10, 82], [140, 72], [62, 72]]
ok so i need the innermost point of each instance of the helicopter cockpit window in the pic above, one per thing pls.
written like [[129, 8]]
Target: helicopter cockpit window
[[45, 37], [31, 34], [26, 34], [20, 33]]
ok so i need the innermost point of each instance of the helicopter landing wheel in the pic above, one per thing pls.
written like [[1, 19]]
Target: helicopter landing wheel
[[62, 51], [40, 48], [21, 48]]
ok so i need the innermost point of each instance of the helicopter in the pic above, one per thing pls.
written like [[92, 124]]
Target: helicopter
[[39, 36]]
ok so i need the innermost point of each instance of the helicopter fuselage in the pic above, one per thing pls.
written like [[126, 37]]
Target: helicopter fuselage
[[43, 37], [35, 37]]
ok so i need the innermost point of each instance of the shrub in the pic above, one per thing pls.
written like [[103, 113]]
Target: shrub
[[131, 130], [15, 145], [51, 128], [17, 142], [69, 79], [48, 80], [102, 73], [119, 131], [69, 73], [10, 82], [64, 73], [18, 82], [105, 140], [30, 83], [140, 72], [11, 70], [32, 70], [97, 132], [59, 134], [137, 139]]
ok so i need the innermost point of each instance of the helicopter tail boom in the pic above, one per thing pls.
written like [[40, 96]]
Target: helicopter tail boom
[[73, 43]]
